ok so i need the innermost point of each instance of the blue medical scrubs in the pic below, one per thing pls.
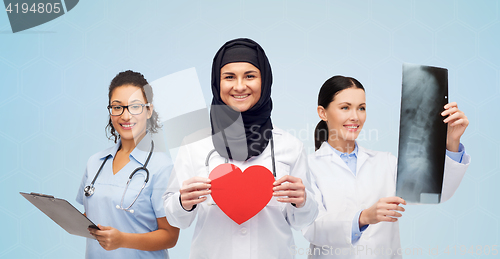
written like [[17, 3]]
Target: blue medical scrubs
[[101, 206]]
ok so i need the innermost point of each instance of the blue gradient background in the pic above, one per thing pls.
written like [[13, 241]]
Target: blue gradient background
[[54, 81]]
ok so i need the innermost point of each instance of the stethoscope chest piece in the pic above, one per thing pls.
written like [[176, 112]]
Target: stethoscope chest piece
[[89, 190]]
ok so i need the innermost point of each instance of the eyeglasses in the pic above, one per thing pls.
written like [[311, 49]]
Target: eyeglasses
[[134, 109]]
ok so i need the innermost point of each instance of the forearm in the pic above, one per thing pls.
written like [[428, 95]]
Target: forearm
[[329, 229], [176, 215], [453, 175], [362, 219], [357, 228], [151, 241], [299, 218], [452, 145]]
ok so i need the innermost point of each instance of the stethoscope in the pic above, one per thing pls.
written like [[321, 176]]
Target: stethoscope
[[89, 189], [207, 160]]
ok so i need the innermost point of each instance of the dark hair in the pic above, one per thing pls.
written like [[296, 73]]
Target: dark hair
[[328, 91], [130, 77]]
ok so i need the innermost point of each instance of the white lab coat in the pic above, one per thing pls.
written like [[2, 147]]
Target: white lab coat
[[343, 194], [268, 234]]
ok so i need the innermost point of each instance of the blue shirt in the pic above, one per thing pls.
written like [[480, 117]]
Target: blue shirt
[[351, 160], [109, 188]]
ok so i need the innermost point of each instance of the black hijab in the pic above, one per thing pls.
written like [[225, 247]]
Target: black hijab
[[236, 135]]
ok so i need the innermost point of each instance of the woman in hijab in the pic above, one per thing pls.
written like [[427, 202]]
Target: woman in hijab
[[243, 136]]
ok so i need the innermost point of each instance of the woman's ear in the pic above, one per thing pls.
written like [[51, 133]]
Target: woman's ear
[[150, 111], [322, 113]]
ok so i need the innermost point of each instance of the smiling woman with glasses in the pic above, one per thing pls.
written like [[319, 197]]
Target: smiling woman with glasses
[[122, 186]]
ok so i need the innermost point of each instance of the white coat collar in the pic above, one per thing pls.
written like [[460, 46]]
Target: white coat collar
[[363, 155]]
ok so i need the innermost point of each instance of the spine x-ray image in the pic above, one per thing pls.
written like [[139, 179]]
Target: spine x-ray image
[[422, 134]]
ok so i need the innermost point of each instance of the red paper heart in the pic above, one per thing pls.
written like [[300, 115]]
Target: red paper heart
[[241, 195]]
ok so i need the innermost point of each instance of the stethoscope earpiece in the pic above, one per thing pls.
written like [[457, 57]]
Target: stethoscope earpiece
[[120, 208]]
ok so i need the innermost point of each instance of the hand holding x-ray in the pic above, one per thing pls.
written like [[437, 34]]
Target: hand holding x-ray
[[457, 123]]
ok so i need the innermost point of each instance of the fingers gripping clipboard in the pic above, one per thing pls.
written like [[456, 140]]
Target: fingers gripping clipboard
[[62, 213]]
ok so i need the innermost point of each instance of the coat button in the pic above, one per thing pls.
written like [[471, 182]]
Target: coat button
[[243, 231]]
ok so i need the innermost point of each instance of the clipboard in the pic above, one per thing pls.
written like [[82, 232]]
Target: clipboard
[[62, 213]]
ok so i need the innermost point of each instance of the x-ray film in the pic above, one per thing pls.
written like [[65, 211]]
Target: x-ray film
[[422, 134]]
